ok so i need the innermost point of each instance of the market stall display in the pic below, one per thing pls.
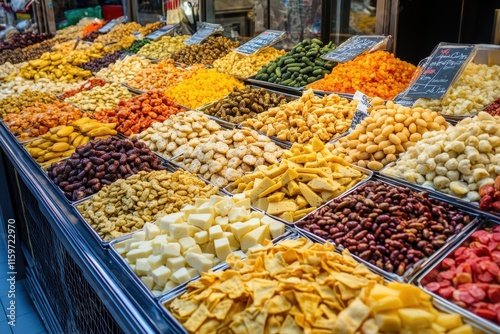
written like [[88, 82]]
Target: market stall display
[[178, 133], [204, 53], [61, 141], [181, 246], [265, 294], [87, 85], [123, 70], [206, 86], [120, 36], [67, 47], [138, 113], [137, 45], [456, 161], [120, 208], [389, 130], [306, 177], [99, 63], [308, 117], [164, 47], [244, 66], [18, 85], [378, 73], [15, 104], [100, 98]]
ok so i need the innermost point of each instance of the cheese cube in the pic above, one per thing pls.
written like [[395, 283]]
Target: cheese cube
[[216, 261], [201, 237], [201, 220], [237, 197], [193, 272], [240, 229], [199, 262], [261, 203], [145, 244], [148, 281], [121, 250], [194, 249], [211, 257], [256, 214], [278, 208], [180, 276], [186, 243], [172, 218], [179, 231], [237, 214], [156, 260], [188, 209], [139, 236], [171, 250], [157, 242], [127, 244], [207, 207], [135, 244], [161, 275], [263, 186], [193, 230], [210, 248], [215, 232], [223, 207], [137, 253], [276, 228], [156, 292], [169, 286], [223, 222], [171, 238], [240, 254], [151, 231], [142, 267], [232, 240], [311, 197], [175, 263], [132, 267], [222, 248], [200, 200], [245, 203], [255, 237]]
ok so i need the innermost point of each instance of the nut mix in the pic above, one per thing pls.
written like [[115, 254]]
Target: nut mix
[[377, 73], [126, 204], [174, 135], [100, 98], [164, 47], [36, 120], [204, 87], [27, 98], [124, 70], [205, 53], [137, 114], [98, 64], [245, 66], [99, 163], [25, 54], [22, 40], [88, 85], [245, 103], [308, 176], [227, 154], [493, 108], [162, 75], [61, 141], [307, 117], [389, 130], [456, 161], [390, 227], [476, 88], [299, 286], [18, 85]]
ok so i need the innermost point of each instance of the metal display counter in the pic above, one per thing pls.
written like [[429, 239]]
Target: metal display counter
[[72, 279]]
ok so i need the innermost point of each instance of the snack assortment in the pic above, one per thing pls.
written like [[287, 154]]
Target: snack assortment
[[164, 47], [124, 69], [204, 53]]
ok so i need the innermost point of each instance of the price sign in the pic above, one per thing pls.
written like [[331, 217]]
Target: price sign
[[165, 30], [353, 47], [440, 71], [265, 39], [204, 32], [137, 34], [113, 23], [357, 118], [361, 110], [404, 100]]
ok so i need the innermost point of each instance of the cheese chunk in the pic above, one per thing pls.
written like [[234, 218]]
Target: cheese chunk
[[239, 229], [199, 262], [201, 237], [172, 218], [194, 249], [278, 208], [311, 197], [255, 237], [210, 248], [237, 214], [263, 186], [320, 184], [275, 227], [180, 276], [175, 263], [246, 203], [148, 281], [157, 242], [240, 254], [223, 222], [200, 200], [223, 207], [238, 197], [192, 272], [135, 244], [201, 220], [179, 231], [256, 214], [169, 286], [188, 209], [139, 236], [145, 244], [142, 267], [172, 249], [156, 260], [222, 248], [215, 232], [137, 253], [207, 207], [232, 240], [161, 275], [151, 231], [186, 243], [192, 230]]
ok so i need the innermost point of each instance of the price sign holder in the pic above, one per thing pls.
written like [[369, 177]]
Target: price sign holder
[[206, 30], [356, 45], [111, 24], [78, 40], [163, 31], [441, 69], [264, 40], [137, 34], [361, 110]]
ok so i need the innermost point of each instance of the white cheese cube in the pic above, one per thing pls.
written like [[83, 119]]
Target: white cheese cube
[[240, 254], [179, 231], [239, 229], [146, 244], [277, 228], [232, 240], [187, 210], [151, 230], [255, 248], [201, 220], [222, 248], [148, 281], [200, 200], [180, 276], [127, 244], [120, 250], [135, 244], [175, 263], [139, 236], [132, 267], [237, 214], [223, 207], [215, 232], [194, 249], [256, 214], [245, 203], [193, 272], [199, 262], [214, 199], [155, 292], [161, 275], [186, 243], [207, 208], [210, 248], [142, 267], [171, 238], [156, 260], [201, 237], [209, 256], [138, 253], [216, 261], [193, 230], [172, 249], [255, 237], [172, 218], [222, 222], [157, 242], [238, 197], [169, 286]]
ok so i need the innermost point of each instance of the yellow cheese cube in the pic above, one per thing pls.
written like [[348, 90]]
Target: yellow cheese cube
[[199, 262], [206, 207], [261, 187], [300, 159], [215, 232], [415, 318], [222, 248], [449, 321], [389, 302], [175, 263], [232, 240], [201, 220], [276, 197], [261, 203], [321, 184], [464, 329], [409, 294], [293, 188], [201, 237], [276, 171], [388, 321], [180, 276], [275, 227], [186, 243], [237, 214], [270, 190], [255, 237], [161, 275], [287, 216], [278, 208], [142, 267], [148, 281], [223, 207], [172, 249]]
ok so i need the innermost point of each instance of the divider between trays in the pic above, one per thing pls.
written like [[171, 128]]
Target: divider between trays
[[474, 319]]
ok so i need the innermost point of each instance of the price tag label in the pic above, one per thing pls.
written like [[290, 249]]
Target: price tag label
[[113, 23], [440, 71], [404, 101], [137, 34], [265, 39], [204, 32], [353, 47], [361, 110], [163, 31], [357, 118]]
